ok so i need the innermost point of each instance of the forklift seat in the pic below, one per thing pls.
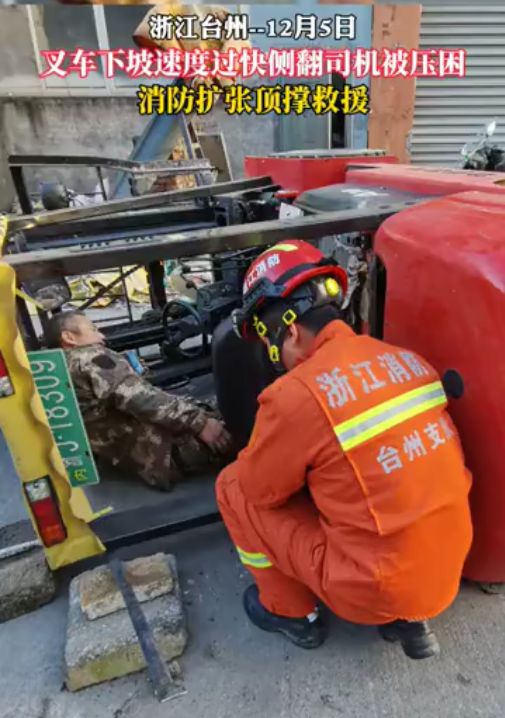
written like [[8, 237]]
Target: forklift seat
[[241, 371]]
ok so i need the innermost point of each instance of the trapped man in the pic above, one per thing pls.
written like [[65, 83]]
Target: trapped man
[[131, 424]]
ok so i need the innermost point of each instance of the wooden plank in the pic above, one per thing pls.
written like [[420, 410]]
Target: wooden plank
[[214, 149], [392, 100]]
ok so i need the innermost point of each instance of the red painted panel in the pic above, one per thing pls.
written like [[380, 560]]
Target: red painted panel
[[427, 181], [445, 263], [302, 173]]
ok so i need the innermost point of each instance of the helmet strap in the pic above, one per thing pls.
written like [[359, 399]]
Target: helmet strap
[[276, 338]]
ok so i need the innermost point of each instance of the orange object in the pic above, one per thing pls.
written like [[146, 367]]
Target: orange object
[[353, 487]]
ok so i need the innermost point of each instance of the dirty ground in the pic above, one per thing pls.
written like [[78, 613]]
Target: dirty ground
[[231, 669]]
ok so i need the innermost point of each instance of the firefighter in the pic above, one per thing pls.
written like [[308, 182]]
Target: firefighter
[[161, 437], [353, 488]]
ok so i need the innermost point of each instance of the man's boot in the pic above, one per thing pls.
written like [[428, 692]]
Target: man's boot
[[417, 639], [307, 632]]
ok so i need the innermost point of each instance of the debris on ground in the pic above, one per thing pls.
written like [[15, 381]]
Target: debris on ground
[[26, 584]]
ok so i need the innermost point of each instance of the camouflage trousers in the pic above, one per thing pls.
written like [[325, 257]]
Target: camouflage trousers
[[152, 453], [160, 461]]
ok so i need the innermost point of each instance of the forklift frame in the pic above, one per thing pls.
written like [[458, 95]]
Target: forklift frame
[[143, 524], [130, 168]]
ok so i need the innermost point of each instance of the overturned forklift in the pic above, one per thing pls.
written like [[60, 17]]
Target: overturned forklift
[[423, 251]]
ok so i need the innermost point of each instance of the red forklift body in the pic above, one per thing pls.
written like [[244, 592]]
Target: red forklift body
[[445, 298], [301, 171], [423, 180]]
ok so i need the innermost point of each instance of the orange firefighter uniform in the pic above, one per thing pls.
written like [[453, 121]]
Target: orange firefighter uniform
[[353, 487]]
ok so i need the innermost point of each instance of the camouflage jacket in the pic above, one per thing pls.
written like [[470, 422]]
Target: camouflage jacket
[[111, 392]]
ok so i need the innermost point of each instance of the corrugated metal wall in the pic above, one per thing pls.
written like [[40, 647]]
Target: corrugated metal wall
[[451, 111], [309, 131]]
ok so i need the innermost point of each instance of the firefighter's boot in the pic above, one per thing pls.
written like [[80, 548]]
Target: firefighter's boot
[[309, 632], [417, 639]]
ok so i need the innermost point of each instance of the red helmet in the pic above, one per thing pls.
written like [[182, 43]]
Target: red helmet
[[280, 273]]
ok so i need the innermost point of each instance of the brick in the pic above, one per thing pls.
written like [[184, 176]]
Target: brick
[[106, 648], [150, 577], [26, 583]]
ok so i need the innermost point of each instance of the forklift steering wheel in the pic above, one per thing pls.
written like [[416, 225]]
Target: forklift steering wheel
[[182, 310]]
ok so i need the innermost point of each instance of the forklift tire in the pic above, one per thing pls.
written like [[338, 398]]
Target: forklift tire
[[241, 371]]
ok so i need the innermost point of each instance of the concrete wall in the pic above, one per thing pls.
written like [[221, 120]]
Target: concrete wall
[[33, 121], [6, 186], [106, 127]]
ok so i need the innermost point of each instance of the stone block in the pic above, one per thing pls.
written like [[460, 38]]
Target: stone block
[[150, 577], [106, 648], [26, 583]]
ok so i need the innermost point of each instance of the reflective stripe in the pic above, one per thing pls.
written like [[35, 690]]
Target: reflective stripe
[[375, 421], [283, 247], [257, 560]]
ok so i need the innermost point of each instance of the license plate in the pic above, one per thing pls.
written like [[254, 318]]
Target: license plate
[[55, 388]]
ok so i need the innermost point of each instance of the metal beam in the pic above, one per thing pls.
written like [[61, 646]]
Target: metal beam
[[60, 263], [17, 223], [140, 220], [158, 167], [110, 238]]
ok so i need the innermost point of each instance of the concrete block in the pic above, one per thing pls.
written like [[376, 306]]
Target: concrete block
[[26, 583], [150, 577], [106, 648]]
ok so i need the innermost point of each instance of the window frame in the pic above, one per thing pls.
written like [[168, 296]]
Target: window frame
[[108, 87]]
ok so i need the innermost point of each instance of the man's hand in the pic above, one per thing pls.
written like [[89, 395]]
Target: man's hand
[[215, 435]]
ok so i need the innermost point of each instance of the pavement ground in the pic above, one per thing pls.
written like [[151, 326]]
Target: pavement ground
[[231, 669]]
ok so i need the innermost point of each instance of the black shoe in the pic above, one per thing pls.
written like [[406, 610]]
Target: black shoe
[[300, 631], [417, 639]]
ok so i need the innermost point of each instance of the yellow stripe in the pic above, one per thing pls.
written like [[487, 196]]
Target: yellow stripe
[[281, 248], [393, 421], [31, 300], [256, 560], [250, 555], [263, 564], [376, 410]]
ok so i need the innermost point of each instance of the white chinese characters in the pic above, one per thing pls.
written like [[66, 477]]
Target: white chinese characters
[[368, 376], [415, 446]]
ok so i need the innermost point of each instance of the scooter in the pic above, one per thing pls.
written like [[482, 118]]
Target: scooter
[[482, 155]]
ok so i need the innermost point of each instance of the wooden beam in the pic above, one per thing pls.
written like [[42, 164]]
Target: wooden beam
[[392, 100]]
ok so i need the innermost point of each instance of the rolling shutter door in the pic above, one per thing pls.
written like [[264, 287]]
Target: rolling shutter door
[[451, 111]]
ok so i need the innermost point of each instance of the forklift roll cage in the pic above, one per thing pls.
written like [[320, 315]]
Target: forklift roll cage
[[22, 418]]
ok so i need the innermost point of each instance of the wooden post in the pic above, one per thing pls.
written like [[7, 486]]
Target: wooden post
[[392, 100]]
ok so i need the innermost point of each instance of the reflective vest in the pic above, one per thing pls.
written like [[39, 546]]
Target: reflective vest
[[387, 409]]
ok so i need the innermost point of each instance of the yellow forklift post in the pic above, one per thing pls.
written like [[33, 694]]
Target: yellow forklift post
[[24, 425]]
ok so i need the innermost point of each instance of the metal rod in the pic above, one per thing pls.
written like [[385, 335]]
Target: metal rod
[[132, 538], [156, 274], [101, 183], [125, 289], [25, 322], [19, 182], [101, 292], [19, 548], [17, 223], [163, 684], [58, 263]]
